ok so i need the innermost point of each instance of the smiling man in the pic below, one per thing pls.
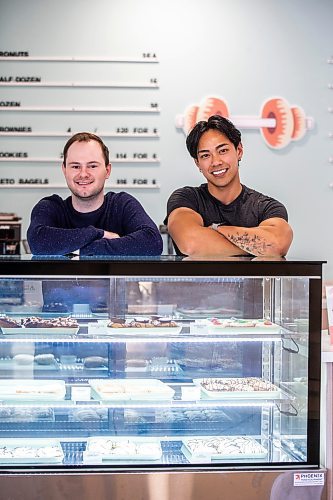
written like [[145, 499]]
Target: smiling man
[[90, 222], [223, 217]]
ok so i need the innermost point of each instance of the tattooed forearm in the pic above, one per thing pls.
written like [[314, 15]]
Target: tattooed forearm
[[253, 244]]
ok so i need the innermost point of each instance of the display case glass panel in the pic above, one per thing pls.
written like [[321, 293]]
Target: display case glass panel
[[124, 370]]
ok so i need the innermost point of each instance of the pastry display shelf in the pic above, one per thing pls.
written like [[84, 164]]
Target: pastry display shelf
[[179, 334], [188, 405], [176, 339], [172, 452], [152, 403], [131, 404], [124, 85]]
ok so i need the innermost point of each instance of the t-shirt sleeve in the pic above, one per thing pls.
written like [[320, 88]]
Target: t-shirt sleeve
[[272, 208], [182, 197]]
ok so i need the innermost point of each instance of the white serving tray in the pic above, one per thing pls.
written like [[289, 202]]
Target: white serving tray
[[10, 444], [32, 390], [146, 448], [234, 454], [274, 394], [242, 326], [134, 390], [101, 328]]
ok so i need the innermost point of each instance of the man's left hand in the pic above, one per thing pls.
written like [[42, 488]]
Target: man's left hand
[[110, 236]]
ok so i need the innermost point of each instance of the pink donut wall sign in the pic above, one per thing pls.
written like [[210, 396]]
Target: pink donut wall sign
[[279, 122]]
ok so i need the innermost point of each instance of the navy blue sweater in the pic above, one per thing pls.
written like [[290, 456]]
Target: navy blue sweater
[[56, 228]]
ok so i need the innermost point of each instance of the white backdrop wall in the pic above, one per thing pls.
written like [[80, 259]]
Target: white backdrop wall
[[245, 52]]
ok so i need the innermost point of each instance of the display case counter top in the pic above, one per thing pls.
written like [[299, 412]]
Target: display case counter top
[[178, 266]]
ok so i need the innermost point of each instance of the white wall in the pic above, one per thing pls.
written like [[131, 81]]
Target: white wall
[[243, 51]]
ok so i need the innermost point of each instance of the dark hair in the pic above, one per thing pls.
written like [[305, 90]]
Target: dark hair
[[86, 137], [215, 122]]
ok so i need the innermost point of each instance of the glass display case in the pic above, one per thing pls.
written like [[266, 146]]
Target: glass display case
[[159, 364]]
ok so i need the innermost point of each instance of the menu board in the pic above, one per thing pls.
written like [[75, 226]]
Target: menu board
[[46, 99]]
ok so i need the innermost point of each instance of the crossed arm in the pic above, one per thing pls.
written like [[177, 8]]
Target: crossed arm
[[92, 241], [47, 238], [272, 237]]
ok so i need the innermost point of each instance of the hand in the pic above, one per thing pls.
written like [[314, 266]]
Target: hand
[[110, 236]]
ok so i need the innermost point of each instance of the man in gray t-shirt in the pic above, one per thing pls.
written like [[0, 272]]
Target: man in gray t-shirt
[[224, 217]]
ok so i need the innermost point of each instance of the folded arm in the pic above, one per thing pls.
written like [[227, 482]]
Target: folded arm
[[45, 238], [140, 235], [187, 230], [144, 241], [136, 233], [271, 238]]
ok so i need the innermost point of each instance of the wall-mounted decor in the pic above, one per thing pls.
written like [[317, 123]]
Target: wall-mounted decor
[[279, 122]]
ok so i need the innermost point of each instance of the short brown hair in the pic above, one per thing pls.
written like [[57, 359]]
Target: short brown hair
[[86, 137]]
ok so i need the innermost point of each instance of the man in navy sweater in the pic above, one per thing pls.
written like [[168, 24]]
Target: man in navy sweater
[[90, 222]]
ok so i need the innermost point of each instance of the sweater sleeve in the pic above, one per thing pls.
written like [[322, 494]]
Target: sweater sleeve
[[139, 235], [45, 237]]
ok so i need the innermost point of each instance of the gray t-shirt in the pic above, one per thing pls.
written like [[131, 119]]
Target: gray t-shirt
[[249, 209]]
